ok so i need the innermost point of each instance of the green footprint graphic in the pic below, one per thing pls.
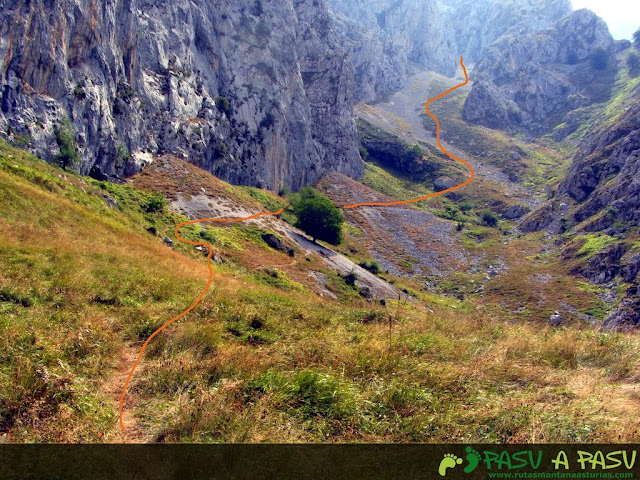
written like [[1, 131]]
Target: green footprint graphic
[[449, 461], [473, 457]]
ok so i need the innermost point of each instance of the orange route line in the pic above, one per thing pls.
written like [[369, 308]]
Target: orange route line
[[197, 300], [435, 194], [365, 204]]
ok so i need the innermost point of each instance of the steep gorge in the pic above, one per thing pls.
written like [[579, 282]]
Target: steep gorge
[[384, 37]]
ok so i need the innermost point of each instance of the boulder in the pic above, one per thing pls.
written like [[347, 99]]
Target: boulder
[[443, 183], [515, 211], [274, 242], [555, 320]]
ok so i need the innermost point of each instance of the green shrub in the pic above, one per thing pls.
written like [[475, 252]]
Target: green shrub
[[79, 92], [414, 151], [350, 279], [318, 216], [451, 212], [68, 154], [488, 218], [123, 155], [154, 203], [364, 153], [223, 105], [284, 191], [372, 266], [466, 206], [221, 150]]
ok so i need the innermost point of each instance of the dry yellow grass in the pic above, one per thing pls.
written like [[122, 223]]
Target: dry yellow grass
[[80, 283]]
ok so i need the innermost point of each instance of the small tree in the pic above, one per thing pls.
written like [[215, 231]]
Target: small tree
[[318, 217], [636, 39], [414, 151], [68, 154]]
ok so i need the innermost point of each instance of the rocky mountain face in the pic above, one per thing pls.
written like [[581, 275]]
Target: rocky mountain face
[[601, 193], [383, 36], [531, 82], [256, 92], [606, 175], [380, 59], [478, 23]]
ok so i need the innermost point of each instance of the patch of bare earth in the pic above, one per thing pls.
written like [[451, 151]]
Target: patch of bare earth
[[112, 388], [403, 238]]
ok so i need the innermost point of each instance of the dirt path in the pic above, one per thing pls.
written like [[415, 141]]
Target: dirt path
[[112, 388], [204, 206], [402, 115]]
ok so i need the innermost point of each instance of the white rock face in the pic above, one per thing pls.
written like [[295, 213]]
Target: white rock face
[[530, 82], [147, 76], [384, 36]]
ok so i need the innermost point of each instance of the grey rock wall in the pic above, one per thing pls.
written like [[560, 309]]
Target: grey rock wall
[[530, 82], [142, 77], [385, 36]]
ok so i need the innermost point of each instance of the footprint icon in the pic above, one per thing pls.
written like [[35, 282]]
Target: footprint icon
[[473, 457], [449, 461]]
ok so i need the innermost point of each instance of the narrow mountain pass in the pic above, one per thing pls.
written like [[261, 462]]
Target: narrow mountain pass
[[403, 115]]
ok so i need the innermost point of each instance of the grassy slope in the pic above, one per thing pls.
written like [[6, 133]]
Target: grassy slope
[[258, 362], [536, 164]]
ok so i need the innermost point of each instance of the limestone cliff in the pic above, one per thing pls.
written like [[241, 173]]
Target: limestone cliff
[[256, 92], [531, 82], [478, 23], [384, 36], [601, 193]]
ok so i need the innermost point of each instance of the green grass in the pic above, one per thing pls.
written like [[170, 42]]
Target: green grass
[[380, 180], [259, 361], [593, 243]]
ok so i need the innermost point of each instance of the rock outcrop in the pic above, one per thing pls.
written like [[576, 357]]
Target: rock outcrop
[[627, 315], [604, 179], [530, 82], [601, 193], [379, 59], [478, 23], [420, 162], [256, 92], [384, 36]]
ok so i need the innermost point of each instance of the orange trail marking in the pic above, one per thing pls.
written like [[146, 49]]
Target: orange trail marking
[[435, 194], [372, 204], [196, 302]]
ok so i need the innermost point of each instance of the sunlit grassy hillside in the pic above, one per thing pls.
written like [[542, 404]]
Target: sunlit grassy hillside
[[264, 358]]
